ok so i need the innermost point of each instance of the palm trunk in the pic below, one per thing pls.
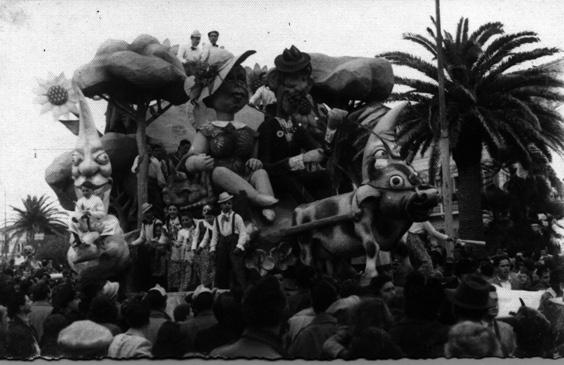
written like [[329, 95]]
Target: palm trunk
[[469, 193]]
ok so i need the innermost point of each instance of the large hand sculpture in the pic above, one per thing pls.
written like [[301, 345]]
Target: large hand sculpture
[[141, 71]]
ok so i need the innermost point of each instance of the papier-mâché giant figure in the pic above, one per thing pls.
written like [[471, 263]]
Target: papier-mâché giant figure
[[100, 251], [225, 147]]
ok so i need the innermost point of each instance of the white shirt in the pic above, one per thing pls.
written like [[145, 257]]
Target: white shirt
[[145, 233], [225, 229], [155, 169], [184, 242], [94, 205], [207, 235], [263, 97], [188, 53]]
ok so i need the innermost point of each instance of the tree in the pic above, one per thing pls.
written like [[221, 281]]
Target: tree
[[492, 101], [37, 215]]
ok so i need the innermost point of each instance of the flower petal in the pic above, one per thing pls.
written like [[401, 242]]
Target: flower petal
[[39, 90], [45, 108], [40, 99], [74, 109], [60, 79], [51, 77]]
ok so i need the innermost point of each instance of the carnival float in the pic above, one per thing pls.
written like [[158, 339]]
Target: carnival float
[[342, 192]]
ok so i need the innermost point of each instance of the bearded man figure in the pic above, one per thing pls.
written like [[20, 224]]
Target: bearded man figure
[[291, 145]]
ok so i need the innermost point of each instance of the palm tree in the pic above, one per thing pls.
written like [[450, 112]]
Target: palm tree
[[492, 101], [37, 215]]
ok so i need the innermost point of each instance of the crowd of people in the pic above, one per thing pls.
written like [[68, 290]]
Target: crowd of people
[[450, 310]]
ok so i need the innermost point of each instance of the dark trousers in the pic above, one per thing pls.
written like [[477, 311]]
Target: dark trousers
[[229, 267]]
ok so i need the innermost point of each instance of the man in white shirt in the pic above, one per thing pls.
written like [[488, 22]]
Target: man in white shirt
[[155, 168], [263, 96], [190, 52], [213, 36], [229, 236]]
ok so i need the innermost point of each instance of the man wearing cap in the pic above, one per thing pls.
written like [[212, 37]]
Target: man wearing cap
[[229, 236], [190, 52], [213, 36]]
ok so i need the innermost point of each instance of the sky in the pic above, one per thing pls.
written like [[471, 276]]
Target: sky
[[38, 37]]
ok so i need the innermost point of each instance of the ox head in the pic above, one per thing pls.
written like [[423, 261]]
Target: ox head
[[403, 195]]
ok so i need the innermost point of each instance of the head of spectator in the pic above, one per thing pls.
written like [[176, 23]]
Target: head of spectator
[[85, 340], [502, 266], [373, 343], [181, 312], [156, 298], [487, 270], [323, 294], [383, 287], [207, 213], [423, 296], [471, 299], [102, 310], [19, 306], [202, 300], [493, 303], [264, 305], [533, 333], [464, 267], [61, 298], [543, 275], [170, 342], [40, 292], [213, 36], [228, 312], [195, 38], [371, 312], [472, 340], [136, 313]]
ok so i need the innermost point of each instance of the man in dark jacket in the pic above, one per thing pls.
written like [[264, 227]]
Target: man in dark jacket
[[420, 335], [21, 338]]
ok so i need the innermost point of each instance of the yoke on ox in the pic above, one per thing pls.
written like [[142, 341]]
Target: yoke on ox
[[373, 216]]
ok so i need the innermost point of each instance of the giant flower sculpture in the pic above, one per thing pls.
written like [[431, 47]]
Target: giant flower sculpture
[[134, 73], [57, 95]]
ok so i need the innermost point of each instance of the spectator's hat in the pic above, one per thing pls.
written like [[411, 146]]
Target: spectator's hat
[[215, 65], [213, 32], [472, 293], [291, 60], [146, 207], [201, 289], [110, 289], [196, 34], [84, 339], [158, 289], [224, 197]]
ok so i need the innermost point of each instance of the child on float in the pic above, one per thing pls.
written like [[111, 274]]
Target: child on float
[[88, 210]]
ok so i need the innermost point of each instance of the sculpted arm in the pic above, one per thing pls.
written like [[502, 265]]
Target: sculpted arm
[[198, 159]]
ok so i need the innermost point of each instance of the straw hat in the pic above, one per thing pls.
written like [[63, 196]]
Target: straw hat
[[146, 207], [224, 197], [215, 66]]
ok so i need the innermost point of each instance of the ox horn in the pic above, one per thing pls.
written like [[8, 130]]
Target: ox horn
[[382, 132]]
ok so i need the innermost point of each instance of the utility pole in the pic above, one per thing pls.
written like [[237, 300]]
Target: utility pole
[[444, 144]]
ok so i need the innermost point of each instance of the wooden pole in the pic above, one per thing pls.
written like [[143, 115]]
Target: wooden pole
[[444, 144], [143, 172]]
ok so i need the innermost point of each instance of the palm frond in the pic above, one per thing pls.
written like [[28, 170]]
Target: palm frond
[[414, 62], [418, 85], [422, 41], [501, 48], [519, 58], [485, 32]]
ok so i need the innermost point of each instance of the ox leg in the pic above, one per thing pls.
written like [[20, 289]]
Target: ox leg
[[371, 248]]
